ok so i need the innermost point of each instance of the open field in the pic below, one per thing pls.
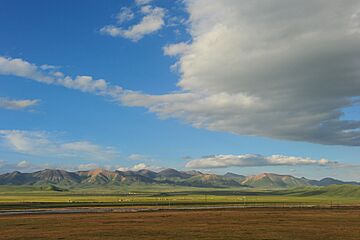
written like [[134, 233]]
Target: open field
[[275, 224], [14, 197]]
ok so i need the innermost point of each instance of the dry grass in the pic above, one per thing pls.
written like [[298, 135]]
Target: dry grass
[[270, 224]]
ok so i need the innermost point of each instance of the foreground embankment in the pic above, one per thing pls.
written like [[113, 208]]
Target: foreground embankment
[[245, 223]]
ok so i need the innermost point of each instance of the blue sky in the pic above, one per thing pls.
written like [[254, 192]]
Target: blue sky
[[184, 97]]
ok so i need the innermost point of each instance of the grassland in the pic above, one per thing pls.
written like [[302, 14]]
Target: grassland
[[13, 197], [249, 224]]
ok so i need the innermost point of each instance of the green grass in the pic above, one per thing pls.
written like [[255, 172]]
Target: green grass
[[177, 195]]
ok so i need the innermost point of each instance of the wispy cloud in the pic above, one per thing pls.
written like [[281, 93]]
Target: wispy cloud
[[255, 160], [28, 166], [177, 49], [152, 21], [23, 164], [87, 166], [21, 68], [17, 104], [140, 157], [125, 14], [143, 2], [38, 143]]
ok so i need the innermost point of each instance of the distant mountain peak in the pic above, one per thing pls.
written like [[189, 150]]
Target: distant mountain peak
[[233, 175], [55, 176], [100, 171], [170, 172], [271, 180]]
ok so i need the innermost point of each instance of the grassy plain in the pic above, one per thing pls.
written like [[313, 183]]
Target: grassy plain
[[165, 195], [247, 223]]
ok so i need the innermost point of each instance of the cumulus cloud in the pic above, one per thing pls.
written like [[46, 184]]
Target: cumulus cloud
[[17, 104], [122, 169], [254, 160], [140, 166], [136, 167], [152, 21], [38, 143], [279, 69]]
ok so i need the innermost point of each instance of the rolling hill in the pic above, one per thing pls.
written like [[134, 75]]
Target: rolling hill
[[210, 180], [330, 181], [344, 190]]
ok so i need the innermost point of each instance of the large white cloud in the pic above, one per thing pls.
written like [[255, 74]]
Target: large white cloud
[[254, 160], [280, 69]]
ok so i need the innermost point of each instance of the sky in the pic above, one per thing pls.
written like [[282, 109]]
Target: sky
[[217, 86]]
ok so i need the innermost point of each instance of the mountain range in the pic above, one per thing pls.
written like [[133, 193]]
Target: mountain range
[[101, 177]]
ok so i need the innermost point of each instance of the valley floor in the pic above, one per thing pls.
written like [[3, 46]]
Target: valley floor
[[247, 223]]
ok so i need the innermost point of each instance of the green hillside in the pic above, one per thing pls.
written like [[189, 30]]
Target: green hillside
[[342, 191]]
